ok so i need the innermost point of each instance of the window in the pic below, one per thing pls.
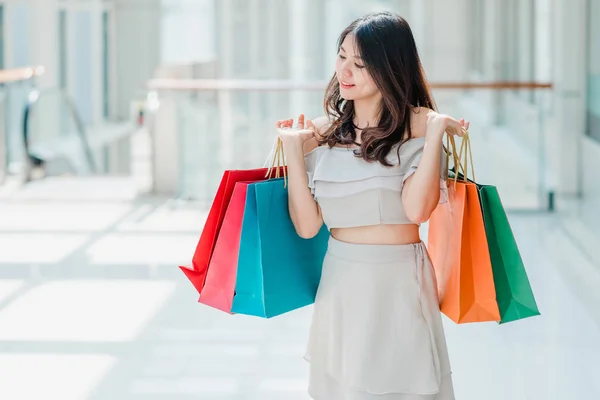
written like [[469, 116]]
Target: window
[[476, 35], [1, 36], [188, 29], [542, 70], [62, 49], [105, 65]]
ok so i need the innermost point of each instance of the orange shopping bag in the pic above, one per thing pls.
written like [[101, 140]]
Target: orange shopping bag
[[458, 248]]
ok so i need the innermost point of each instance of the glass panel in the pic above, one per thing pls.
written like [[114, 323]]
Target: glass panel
[[182, 20], [82, 51], [231, 129], [506, 155], [1, 36], [543, 46], [51, 118], [593, 77], [105, 64], [53, 133], [62, 49], [475, 33], [20, 24], [235, 130], [3, 126], [16, 94], [3, 148]]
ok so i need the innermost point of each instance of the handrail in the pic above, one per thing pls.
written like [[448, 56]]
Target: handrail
[[20, 74], [279, 85], [233, 84], [500, 85]]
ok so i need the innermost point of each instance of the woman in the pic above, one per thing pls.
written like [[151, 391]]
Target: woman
[[372, 171]]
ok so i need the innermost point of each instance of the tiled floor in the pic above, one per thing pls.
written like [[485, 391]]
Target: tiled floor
[[93, 306]]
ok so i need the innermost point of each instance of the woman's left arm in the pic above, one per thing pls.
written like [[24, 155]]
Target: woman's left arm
[[421, 191]]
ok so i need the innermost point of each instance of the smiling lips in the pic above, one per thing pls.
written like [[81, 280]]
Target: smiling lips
[[346, 85]]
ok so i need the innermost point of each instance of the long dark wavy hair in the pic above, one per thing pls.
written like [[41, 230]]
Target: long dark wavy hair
[[388, 50]]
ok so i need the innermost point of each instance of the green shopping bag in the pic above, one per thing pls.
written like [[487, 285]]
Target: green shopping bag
[[513, 292]]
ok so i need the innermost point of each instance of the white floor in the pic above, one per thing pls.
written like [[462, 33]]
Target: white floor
[[93, 306]]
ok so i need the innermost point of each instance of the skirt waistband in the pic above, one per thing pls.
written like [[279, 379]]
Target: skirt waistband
[[373, 253]]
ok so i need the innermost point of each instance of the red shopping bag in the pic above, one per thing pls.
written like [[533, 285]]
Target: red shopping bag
[[204, 250], [220, 281]]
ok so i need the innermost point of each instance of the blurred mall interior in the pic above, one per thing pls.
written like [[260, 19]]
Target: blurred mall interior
[[118, 117]]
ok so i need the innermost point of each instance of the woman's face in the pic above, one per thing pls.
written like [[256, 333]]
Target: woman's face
[[354, 80]]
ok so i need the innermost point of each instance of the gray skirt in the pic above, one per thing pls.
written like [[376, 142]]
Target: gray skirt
[[376, 332]]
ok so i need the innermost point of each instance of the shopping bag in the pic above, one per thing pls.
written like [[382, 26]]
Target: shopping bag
[[458, 248], [196, 273], [513, 291], [222, 269], [278, 271]]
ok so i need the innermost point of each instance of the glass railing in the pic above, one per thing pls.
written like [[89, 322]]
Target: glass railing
[[38, 126], [15, 86], [53, 130], [3, 139], [508, 140], [57, 138], [216, 125]]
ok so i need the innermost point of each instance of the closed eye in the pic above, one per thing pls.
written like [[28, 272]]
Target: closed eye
[[355, 64]]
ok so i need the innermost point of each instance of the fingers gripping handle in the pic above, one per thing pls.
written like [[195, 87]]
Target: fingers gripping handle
[[277, 166], [461, 158]]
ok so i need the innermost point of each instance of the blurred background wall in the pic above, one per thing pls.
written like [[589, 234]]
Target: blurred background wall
[[203, 80], [102, 54]]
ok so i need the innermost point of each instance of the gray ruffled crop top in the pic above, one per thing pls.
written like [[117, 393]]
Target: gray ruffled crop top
[[353, 192]]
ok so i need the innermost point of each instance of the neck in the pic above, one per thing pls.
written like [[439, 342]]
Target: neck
[[366, 113]]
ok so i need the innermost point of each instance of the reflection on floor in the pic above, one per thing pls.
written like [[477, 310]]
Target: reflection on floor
[[93, 306]]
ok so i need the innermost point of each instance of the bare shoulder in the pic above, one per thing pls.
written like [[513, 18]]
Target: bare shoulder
[[321, 124], [418, 121]]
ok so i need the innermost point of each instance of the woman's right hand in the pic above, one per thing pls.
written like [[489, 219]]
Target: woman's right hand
[[298, 135], [304, 210]]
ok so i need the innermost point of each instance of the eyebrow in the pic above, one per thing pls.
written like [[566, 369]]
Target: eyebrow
[[342, 47]]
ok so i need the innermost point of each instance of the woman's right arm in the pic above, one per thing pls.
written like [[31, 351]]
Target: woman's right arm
[[304, 210]]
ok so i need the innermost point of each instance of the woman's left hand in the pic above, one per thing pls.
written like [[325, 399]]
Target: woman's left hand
[[287, 133], [437, 124]]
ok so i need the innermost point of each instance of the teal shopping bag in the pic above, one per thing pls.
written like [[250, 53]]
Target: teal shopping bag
[[278, 271]]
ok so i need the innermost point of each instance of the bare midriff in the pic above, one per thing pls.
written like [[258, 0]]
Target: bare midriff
[[378, 234]]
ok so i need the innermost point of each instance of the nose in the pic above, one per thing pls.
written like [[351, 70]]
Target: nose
[[346, 72]]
